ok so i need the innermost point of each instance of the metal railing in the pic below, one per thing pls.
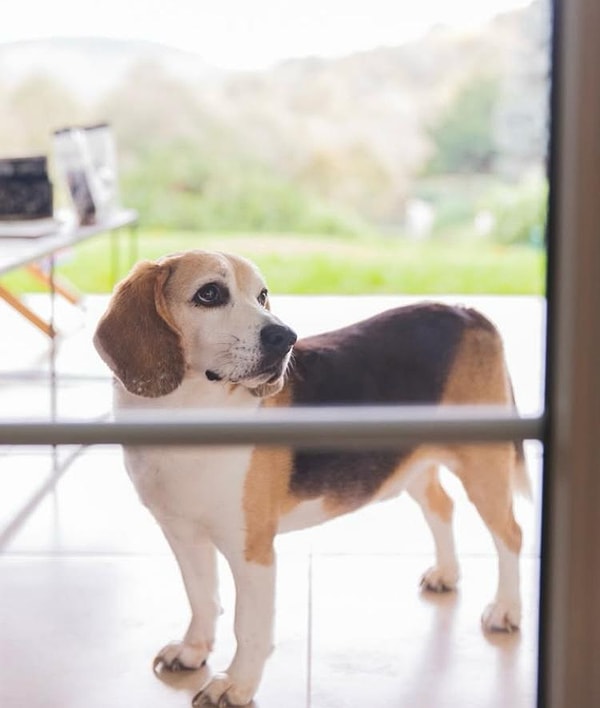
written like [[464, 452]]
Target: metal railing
[[308, 428]]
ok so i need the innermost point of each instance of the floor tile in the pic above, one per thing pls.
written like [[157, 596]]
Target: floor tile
[[378, 642], [83, 632]]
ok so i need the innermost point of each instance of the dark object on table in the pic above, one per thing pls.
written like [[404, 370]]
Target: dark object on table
[[25, 190]]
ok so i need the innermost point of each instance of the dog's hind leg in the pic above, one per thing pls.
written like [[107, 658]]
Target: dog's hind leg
[[196, 556], [488, 475], [437, 508]]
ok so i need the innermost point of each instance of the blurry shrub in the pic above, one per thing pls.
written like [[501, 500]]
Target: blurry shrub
[[183, 187], [452, 212], [463, 135], [519, 211], [454, 199]]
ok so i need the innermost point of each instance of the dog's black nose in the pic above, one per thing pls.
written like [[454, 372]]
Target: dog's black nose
[[277, 339]]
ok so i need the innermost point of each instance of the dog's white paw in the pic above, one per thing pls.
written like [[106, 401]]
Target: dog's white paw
[[502, 616], [181, 656], [438, 579], [222, 690]]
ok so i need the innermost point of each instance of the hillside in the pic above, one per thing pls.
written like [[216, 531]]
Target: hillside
[[354, 130], [88, 67]]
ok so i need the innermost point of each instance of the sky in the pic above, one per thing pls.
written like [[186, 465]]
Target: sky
[[237, 34]]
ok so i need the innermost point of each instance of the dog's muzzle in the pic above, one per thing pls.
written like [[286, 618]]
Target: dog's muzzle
[[276, 342]]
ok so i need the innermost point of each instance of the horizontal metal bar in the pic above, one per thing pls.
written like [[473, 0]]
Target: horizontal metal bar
[[307, 428]]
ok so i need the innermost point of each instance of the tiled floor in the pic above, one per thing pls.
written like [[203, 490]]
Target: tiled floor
[[89, 591]]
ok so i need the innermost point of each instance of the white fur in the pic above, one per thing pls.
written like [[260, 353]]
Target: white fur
[[504, 614]]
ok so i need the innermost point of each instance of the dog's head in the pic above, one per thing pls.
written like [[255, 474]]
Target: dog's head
[[194, 314]]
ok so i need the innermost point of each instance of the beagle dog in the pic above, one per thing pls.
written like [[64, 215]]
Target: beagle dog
[[195, 330]]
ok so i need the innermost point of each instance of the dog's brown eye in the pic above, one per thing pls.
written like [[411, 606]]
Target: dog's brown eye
[[262, 298], [211, 295]]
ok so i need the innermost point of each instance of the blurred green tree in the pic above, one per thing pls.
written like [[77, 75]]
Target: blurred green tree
[[463, 134]]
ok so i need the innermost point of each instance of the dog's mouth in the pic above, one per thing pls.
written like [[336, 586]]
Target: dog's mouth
[[273, 375], [267, 374], [270, 383], [213, 376], [265, 377]]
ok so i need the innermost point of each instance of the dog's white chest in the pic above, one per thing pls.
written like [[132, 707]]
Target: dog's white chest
[[204, 485]]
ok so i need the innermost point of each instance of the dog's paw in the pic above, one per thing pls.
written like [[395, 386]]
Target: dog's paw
[[439, 579], [501, 617], [223, 691], [181, 656]]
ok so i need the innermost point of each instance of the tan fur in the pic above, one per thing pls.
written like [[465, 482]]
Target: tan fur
[[243, 274], [437, 499], [144, 344], [483, 471], [266, 494], [479, 377]]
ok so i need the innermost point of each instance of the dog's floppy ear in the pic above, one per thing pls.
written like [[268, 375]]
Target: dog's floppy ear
[[135, 336]]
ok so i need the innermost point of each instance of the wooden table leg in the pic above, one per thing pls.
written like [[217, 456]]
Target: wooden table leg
[[61, 286], [26, 312]]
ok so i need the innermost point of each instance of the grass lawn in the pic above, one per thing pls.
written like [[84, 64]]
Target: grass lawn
[[311, 264]]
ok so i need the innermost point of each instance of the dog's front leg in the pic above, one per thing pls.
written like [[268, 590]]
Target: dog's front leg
[[254, 619], [196, 556]]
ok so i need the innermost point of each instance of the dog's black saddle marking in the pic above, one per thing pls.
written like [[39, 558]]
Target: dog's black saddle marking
[[402, 356]]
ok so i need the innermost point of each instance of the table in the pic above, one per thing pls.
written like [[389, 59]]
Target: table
[[29, 252]]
